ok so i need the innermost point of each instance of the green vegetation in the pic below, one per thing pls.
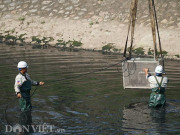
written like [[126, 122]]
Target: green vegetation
[[1, 38], [138, 51], [61, 43], [9, 38], [28, 23], [36, 40], [128, 49], [91, 23], [21, 38], [109, 48], [150, 52], [116, 50], [164, 53], [71, 44], [46, 40], [77, 43], [39, 43], [21, 19], [177, 55], [43, 22]]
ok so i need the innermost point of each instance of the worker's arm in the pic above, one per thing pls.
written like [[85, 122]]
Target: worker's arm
[[17, 85], [34, 83], [146, 71]]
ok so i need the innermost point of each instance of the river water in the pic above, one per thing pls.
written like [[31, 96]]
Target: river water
[[95, 103]]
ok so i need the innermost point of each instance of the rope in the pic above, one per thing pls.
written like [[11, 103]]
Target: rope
[[35, 90], [78, 76], [64, 79], [127, 69]]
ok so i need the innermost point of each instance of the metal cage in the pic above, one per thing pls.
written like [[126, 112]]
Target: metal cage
[[133, 74]]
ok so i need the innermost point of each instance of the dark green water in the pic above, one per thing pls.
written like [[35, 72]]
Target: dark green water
[[91, 104]]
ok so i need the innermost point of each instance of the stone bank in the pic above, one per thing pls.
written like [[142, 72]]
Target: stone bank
[[93, 22]]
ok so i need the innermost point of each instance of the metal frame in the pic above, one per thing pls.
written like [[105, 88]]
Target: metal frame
[[139, 60]]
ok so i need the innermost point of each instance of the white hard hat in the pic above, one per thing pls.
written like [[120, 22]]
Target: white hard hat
[[22, 64], [159, 69]]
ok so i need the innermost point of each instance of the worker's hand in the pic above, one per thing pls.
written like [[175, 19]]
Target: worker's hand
[[41, 83], [19, 95], [146, 70]]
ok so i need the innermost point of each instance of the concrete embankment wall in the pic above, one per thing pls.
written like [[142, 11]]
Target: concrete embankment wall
[[93, 22]]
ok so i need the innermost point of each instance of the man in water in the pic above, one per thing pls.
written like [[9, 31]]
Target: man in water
[[158, 83], [22, 88]]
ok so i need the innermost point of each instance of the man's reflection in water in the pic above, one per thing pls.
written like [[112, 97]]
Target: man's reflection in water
[[158, 116], [25, 119], [140, 118]]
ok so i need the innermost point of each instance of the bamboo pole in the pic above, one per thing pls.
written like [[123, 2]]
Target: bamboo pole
[[134, 12], [152, 18]]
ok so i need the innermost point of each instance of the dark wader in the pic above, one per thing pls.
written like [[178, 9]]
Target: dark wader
[[157, 97], [25, 103]]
